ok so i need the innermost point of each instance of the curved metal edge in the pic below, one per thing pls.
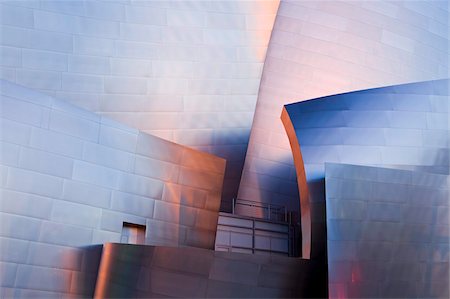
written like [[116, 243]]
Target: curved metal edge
[[305, 211]]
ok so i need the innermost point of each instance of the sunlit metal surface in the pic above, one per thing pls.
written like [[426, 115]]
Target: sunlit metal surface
[[184, 70], [321, 48], [71, 178], [403, 127]]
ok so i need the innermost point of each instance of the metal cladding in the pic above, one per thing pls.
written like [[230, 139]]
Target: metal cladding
[[131, 271], [388, 232], [321, 48], [187, 71], [405, 130], [192, 72], [71, 178]]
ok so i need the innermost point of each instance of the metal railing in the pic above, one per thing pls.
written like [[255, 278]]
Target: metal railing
[[254, 230], [271, 212], [230, 248]]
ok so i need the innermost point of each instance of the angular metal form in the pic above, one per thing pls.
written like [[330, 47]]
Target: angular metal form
[[320, 48], [71, 178], [185, 71], [405, 130], [132, 271], [402, 126]]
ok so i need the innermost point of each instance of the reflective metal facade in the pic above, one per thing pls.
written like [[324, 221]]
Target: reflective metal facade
[[153, 272], [71, 178], [187, 71], [386, 228], [402, 126], [388, 232], [321, 48]]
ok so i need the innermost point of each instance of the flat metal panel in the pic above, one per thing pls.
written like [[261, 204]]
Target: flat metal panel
[[395, 251]]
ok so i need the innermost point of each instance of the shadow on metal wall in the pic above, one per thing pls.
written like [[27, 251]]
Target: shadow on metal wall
[[233, 148], [136, 271], [83, 282]]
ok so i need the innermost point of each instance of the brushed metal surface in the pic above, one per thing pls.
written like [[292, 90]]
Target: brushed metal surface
[[71, 178]]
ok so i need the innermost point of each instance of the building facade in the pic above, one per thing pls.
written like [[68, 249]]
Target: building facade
[[317, 130]]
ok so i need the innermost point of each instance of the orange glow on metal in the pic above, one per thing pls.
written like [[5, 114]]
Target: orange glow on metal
[[305, 210], [103, 272]]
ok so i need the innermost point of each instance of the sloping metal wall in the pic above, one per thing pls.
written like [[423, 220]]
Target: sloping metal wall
[[70, 178], [321, 48], [187, 71]]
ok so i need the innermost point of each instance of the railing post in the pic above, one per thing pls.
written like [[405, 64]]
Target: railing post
[[277, 210], [285, 214], [292, 240], [253, 236]]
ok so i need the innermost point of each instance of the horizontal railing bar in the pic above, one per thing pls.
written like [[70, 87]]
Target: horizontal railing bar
[[250, 218], [260, 249], [259, 204], [256, 229]]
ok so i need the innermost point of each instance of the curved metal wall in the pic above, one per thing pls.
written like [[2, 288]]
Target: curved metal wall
[[156, 272], [186, 71], [71, 178], [320, 48], [403, 126]]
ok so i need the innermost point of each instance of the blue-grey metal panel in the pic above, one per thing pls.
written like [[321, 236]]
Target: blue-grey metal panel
[[402, 245], [393, 136], [71, 178]]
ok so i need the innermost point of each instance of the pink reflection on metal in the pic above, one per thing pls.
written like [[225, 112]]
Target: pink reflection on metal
[[305, 210]]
